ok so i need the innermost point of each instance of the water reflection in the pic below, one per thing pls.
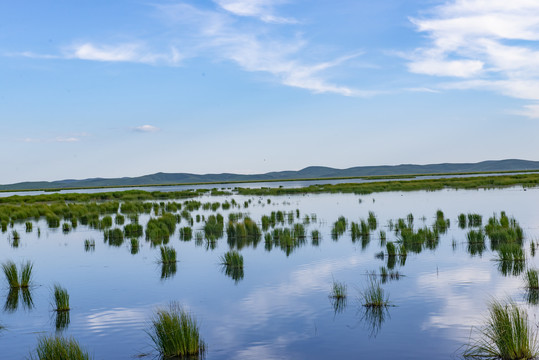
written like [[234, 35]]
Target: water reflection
[[62, 320], [234, 272], [511, 267], [168, 270], [373, 318], [338, 304], [13, 297]]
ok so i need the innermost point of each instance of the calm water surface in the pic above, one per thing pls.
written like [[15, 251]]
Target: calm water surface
[[281, 308]]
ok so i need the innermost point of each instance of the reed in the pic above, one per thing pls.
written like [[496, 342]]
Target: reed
[[12, 277], [374, 295], [29, 226], [338, 290], [89, 244], [26, 274], [168, 255], [507, 335], [61, 298], [59, 348], [175, 333], [232, 259], [391, 250], [531, 279]]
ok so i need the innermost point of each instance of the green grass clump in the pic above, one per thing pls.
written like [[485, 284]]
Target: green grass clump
[[532, 279], [338, 290], [506, 335], [59, 348], [391, 250], [339, 227], [168, 255], [61, 298], [133, 230], [232, 259], [29, 226], [374, 295], [175, 333], [89, 244], [12, 276]]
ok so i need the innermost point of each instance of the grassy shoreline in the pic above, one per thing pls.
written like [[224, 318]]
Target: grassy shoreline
[[478, 182], [369, 177]]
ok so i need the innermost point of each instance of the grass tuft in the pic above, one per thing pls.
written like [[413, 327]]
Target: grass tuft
[[506, 335], [168, 255], [374, 295], [338, 290], [61, 298], [59, 348], [175, 333], [531, 279]]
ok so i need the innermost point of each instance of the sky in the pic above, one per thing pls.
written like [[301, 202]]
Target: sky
[[127, 88]]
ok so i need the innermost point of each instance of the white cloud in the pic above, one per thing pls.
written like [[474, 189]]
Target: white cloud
[[261, 9], [67, 139], [494, 43], [219, 36], [146, 128], [129, 52]]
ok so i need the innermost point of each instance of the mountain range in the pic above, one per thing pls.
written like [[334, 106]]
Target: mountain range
[[311, 172]]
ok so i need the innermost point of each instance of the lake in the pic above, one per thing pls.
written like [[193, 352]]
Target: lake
[[281, 308]]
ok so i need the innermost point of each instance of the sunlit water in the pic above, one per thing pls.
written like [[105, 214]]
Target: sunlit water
[[281, 308]]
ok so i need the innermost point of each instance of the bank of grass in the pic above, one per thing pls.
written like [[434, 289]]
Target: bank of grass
[[476, 182], [506, 335], [175, 333], [59, 348]]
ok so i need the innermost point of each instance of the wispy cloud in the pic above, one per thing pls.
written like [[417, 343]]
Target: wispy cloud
[[127, 52], [218, 35], [223, 34], [490, 43], [146, 128], [261, 9]]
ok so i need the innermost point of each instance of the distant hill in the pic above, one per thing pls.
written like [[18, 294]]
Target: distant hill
[[311, 172]]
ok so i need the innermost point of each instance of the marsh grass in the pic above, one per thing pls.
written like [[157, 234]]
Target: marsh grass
[[506, 335], [374, 295], [59, 348], [338, 290], [232, 259], [61, 298], [89, 245], [531, 279], [175, 333], [168, 255], [13, 278]]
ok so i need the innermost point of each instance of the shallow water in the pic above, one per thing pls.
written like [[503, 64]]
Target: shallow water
[[281, 308]]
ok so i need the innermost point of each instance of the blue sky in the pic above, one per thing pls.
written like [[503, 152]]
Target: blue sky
[[127, 88]]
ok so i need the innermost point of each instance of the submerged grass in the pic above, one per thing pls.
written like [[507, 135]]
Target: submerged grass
[[507, 335], [59, 348], [175, 333]]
